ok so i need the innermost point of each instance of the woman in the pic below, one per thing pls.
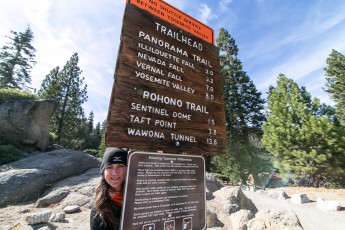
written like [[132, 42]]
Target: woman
[[106, 213]]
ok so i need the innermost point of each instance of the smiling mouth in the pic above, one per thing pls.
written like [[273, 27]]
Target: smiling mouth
[[115, 179]]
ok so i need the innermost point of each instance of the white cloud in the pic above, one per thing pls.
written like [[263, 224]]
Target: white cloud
[[312, 26], [223, 5], [305, 67], [177, 4], [206, 13], [91, 28], [297, 50]]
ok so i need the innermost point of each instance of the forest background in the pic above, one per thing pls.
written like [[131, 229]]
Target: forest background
[[288, 129]]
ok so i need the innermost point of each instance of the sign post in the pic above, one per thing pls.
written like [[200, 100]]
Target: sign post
[[167, 94]]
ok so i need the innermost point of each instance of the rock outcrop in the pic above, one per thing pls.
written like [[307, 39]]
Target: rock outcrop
[[212, 184], [227, 202], [299, 198], [234, 200], [61, 186], [274, 219], [77, 190], [25, 123], [28, 178], [231, 209], [328, 206]]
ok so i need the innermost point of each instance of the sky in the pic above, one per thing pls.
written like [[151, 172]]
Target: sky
[[292, 37]]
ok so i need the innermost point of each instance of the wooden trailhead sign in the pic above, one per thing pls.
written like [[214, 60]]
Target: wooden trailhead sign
[[167, 93]]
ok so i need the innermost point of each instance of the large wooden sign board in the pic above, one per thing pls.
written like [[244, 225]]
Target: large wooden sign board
[[164, 191], [167, 94]]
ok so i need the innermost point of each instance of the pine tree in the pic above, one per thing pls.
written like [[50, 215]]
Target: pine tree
[[302, 140], [90, 122], [243, 112], [81, 139], [16, 60], [66, 87], [335, 86], [90, 135], [102, 145], [243, 103], [96, 136]]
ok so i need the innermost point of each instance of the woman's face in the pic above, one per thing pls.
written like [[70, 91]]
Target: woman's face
[[115, 175]]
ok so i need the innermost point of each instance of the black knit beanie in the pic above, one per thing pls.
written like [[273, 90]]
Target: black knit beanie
[[113, 156]]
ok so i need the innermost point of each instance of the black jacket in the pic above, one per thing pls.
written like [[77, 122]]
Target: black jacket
[[95, 222]]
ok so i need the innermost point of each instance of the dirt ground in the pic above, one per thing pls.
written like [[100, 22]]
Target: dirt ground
[[12, 217], [314, 193], [311, 218]]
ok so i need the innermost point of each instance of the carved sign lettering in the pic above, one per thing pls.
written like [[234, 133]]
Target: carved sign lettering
[[167, 94], [176, 17]]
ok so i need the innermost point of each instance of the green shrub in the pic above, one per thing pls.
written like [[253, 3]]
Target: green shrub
[[52, 138], [14, 94], [9, 153], [220, 177], [4, 140]]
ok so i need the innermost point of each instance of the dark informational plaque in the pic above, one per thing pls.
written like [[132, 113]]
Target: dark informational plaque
[[164, 191], [167, 94]]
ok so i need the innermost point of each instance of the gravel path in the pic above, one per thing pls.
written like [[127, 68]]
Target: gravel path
[[310, 217]]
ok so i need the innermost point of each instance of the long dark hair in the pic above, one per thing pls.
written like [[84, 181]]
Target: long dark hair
[[109, 213]]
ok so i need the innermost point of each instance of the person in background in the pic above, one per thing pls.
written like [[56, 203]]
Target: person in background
[[250, 180], [274, 181], [106, 213]]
